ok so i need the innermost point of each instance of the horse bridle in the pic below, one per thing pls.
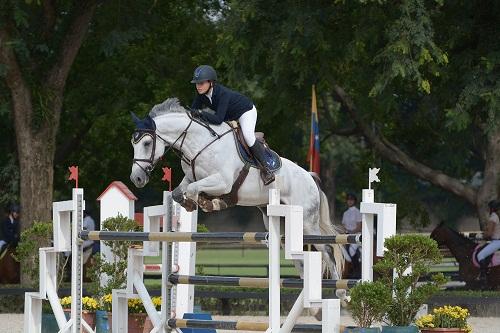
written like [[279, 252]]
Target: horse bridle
[[140, 133]]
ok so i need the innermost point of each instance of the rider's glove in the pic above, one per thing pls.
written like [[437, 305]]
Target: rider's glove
[[197, 113]]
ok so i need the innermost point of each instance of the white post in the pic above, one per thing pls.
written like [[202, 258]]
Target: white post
[[166, 262], [274, 264], [331, 316], [367, 237], [32, 313], [119, 310], [76, 260], [184, 260], [312, 279]]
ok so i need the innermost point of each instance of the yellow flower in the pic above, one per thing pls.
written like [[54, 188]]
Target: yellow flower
[[446, 317]]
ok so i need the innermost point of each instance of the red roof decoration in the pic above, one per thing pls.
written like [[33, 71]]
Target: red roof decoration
[[120, 186]]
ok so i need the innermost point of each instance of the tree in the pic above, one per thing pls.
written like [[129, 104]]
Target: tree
[[134, 54], [38, 45], [418, 80]]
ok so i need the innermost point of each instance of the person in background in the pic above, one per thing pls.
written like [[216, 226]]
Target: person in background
[[351, 220], [10, 229], [492, 232]]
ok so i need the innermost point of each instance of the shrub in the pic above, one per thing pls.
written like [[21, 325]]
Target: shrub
[[369, 302]]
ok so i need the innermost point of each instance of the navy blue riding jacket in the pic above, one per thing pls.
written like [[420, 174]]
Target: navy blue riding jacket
[[227, 104], [10, 231]]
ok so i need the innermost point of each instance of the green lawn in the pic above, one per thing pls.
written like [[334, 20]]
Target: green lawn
[[247, 257]]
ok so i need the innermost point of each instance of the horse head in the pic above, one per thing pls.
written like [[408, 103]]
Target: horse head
[[148, 149], [439, 233], [164, 128]]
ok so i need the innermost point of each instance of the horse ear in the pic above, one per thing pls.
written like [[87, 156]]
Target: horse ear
[[135, 119], [149, 122]]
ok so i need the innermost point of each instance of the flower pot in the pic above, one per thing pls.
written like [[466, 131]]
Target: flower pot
[[442, 330], [101, 321], [136, 322], [148, 325], [110, 321], [49, 323], [352, 329], [399, 329], [88, 316]]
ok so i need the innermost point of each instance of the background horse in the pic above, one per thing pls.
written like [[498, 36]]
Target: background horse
[[9, 268], [211, 164], [462, 249]]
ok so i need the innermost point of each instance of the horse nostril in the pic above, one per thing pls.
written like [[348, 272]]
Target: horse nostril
[[139, 179]]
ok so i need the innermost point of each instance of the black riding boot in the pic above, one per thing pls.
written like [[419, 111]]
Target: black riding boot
[[483, 267], [258, 152]]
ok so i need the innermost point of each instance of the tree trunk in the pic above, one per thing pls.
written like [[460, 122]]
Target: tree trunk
[[328, 172], [489, 188], [36, 165]]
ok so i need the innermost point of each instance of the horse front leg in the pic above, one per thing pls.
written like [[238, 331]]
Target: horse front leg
[[213, 185], [178, 195]]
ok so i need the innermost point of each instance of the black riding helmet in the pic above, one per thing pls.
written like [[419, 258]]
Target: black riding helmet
[[204, 73], [14, 209], [352, 196]]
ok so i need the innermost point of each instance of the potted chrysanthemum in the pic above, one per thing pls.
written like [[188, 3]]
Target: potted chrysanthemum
[[445, 319], [89, 307]]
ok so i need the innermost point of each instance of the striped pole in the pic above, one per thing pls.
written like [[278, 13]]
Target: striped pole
[[236, 325], [211, 237], [253, 282]]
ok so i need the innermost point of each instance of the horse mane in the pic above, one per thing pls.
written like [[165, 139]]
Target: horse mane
[[170, 105], [462, 236]]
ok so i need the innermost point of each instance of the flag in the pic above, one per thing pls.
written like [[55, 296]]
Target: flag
[[167, 177], [313, 153], [73, 174], [372, 176]]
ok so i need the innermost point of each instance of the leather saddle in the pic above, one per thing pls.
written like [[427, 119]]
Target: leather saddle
[[273, 160], [493, 259]]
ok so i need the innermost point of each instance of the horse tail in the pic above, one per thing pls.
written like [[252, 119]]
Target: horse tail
[[327, 228]]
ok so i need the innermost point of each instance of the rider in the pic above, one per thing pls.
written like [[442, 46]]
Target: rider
[[352, 223], [492, 232], [228, 105], [10, 228]]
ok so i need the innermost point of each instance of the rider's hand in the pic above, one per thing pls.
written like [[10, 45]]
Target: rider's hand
[[197, 113]]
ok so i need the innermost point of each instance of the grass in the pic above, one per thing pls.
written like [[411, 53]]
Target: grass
[[234, 257]]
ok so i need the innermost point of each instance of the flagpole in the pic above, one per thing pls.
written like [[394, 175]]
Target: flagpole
[[312, 143]]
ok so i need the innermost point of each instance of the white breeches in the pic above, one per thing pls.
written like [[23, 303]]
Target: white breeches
[[353, 248], [247, 123], [489, 249]]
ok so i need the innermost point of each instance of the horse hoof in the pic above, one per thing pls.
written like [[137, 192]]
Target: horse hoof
[[219, 204], [178, 195], [189, 205], [205, 205]]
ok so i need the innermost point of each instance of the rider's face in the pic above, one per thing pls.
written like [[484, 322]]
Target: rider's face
[[203, 87]]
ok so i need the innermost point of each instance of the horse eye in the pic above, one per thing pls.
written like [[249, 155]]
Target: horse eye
[[147, 144]]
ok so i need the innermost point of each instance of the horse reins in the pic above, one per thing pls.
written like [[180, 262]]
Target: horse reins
[[152, 132]]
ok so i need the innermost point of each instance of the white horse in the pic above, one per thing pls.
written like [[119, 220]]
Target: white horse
[[211, 164]]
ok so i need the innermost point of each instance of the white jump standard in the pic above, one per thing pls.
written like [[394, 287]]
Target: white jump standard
[[178, 246]]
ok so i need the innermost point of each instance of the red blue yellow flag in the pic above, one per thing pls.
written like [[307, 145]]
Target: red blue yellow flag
[[313, 153]]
